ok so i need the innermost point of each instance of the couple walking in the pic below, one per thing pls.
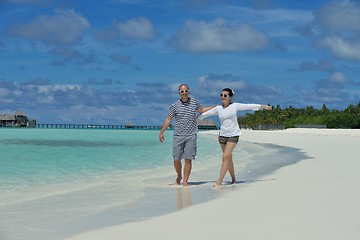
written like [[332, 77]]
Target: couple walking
[[185, 130]]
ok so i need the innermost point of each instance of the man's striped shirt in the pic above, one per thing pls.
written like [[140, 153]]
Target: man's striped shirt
[[185, 113]]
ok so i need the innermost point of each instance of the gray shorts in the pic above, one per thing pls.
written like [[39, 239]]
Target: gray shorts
[[224, 140], [184, 147]]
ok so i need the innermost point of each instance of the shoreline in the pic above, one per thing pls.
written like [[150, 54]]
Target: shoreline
[[161, 199], [124, 196], [313, 199]]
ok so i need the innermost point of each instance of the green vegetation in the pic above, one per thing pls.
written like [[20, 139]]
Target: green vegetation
[[290, 117]]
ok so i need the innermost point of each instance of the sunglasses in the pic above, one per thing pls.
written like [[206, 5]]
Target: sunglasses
[[224, 95], [184, 91]]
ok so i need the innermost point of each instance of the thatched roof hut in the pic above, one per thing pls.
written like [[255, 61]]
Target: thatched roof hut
[[17, 119], [206, 124]]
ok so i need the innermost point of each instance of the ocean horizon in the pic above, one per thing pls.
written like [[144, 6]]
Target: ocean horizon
[[58, 182]]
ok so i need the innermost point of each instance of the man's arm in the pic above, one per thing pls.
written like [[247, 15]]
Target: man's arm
[[165, 126]]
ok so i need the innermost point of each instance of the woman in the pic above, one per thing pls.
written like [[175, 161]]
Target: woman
[[229, 130]]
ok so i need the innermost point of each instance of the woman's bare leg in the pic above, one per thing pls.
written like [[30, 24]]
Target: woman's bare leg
[[231, 170], [227, 163]]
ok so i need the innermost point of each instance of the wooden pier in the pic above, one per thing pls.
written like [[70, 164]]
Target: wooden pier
[[95, 126], [99, 126]]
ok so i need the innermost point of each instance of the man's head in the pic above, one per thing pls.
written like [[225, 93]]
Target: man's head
[[184, 92]]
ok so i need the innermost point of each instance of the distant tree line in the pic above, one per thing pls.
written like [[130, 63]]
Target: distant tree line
[[290, 117]]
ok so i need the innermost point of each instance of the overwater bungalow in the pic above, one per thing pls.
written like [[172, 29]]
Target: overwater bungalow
[[206, 124], [17, 119]]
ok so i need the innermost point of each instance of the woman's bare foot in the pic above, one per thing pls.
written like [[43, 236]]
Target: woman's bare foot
[[217, 185], [233, 181]]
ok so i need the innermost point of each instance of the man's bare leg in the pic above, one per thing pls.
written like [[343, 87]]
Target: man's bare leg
[[187, 171], [178, 167]]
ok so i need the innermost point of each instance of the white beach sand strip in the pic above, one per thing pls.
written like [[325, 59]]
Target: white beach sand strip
[[317, 198]]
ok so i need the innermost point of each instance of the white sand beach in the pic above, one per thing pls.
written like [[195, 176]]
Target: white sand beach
[[317, 198]]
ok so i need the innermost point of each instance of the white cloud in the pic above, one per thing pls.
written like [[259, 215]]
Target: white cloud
[[138, 29], [338, 78], [3, 92], [343, 16], [130, 1], [211, 85], [342, 48], [321, 65], [218, 82], [326, 96], [339, 28], [26, 1], [120, 58], [65, 27], [57, 87], [218, 36]]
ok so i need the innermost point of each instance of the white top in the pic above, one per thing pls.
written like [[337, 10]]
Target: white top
[[228, 117]]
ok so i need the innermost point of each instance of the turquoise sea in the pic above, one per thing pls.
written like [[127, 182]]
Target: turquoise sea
[[59, 182]]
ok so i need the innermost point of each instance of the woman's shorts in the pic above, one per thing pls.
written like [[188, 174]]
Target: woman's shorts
[[224, 140]]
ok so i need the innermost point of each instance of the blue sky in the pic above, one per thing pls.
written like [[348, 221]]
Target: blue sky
[[115, 61]]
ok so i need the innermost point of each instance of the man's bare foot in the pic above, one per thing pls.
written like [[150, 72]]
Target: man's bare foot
[[233, 182], [185, 184], [178, 180]]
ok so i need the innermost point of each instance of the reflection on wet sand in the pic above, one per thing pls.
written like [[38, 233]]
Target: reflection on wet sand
[[183, 198]]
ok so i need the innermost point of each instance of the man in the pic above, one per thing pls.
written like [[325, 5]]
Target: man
[[185, 131]]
